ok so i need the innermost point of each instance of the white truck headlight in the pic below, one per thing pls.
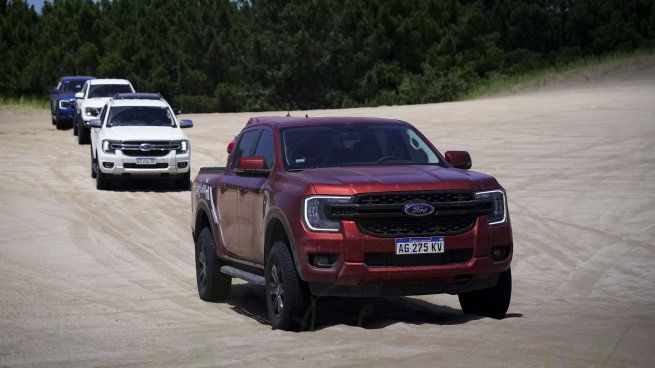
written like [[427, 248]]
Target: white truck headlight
[[499, 209], [109, 146], [314, 212], [184, 146], [91, 111]]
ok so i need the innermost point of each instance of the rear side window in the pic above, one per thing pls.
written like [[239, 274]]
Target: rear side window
[[246, 145], [265, 148]]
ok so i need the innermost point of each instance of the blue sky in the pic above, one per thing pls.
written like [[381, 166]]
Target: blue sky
[[37, 4]]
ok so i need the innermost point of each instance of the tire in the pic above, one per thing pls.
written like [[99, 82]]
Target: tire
[[184, 182], [83, 135], [287, 296], [491, 302], [102, 181], [213, 286], [52, 117], [94, 166], [60, 124], [74, 125]]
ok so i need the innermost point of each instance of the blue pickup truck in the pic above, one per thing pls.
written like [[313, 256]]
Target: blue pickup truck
[[62, 99]]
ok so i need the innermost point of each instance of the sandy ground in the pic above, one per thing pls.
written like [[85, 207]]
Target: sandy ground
[[107, 278]]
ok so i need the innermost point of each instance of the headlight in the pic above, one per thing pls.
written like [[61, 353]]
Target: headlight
[[499, 209], [63, 104], [91, 111], [184, 147], [109, 146], [314, 212]]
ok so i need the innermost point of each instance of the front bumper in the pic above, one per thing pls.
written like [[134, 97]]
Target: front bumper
[[352, 276], [64, 114], [123, 165]]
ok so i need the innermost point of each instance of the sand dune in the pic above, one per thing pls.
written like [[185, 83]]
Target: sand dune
[[107, 278]]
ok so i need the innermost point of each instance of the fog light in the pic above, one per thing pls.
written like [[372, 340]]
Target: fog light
[[108, 165], [323, 260], [499, 253], [182, 165]]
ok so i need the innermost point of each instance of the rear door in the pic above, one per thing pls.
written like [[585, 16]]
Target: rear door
[[253, 202], [227, 198]]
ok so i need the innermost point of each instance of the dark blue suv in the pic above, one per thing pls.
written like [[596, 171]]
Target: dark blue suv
[[62, 99]]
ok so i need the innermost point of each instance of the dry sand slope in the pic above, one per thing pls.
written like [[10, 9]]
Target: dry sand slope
[[107, 278]]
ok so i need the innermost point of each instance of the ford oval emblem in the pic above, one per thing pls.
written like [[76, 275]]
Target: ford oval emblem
[[418, 209], [145, 147]]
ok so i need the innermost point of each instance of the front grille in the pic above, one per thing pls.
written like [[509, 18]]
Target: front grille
[[380, 259], [161, 165], [401, 198], [152, 146], [139, 153], [413, 226], [382, 214]]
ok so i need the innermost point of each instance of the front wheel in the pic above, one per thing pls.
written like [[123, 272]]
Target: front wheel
[[287, 296], [94, 166], [183, 182], [75, 125], [491, 302], [102, 181], [213, 286], [83, 135]]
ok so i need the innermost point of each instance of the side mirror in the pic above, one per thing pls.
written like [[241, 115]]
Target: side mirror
[[186, 123], [177, 110], [230, 147], [252, 166], [79, 95], [54, 91], [95, 123], [459, 159]]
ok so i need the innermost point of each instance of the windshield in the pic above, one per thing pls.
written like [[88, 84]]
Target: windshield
[[71, 86], [354, 145], [108, 90], [140, 116]]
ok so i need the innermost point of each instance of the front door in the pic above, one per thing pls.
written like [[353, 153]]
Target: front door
[[253, 204]]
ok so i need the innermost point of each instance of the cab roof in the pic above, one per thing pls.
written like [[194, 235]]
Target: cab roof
[[284, 121], [137, 102], [108, 81], [76, 78]]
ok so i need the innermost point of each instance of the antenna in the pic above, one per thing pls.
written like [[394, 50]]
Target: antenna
[[288, 111]]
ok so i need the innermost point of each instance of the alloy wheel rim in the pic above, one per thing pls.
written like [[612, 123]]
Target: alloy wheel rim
[[202, 263], [276, 290]]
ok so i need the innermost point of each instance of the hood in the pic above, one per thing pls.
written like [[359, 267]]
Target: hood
[[96, 102], [141, 133], [69, 96], [352, 180]]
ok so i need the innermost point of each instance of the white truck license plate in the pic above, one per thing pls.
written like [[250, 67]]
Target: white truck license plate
[[419, 245], [146, 161]]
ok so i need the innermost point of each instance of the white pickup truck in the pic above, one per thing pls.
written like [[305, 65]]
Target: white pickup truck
[[94, 95], [138, 136]]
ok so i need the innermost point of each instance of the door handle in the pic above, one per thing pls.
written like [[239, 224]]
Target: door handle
[[243, 191]]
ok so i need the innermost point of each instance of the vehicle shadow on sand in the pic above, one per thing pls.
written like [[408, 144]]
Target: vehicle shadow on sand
[[144, 185], [369, 313]]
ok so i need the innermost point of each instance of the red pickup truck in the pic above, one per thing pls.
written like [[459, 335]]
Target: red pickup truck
[[349, 207]]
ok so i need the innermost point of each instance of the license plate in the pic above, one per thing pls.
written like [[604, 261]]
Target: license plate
[[419, 245], [146, 161]]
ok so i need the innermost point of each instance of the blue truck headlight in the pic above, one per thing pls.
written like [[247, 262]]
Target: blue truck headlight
[[314, 212], [499, 209]]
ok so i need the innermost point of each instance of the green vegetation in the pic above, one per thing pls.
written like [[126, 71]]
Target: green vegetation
[[25, 101], [252, 55]]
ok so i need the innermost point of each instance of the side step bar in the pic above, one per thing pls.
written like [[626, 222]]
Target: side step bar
[[243, 275]]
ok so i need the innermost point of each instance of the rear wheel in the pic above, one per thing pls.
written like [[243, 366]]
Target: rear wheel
[[213, 286], [287, 296], [491, 302]]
